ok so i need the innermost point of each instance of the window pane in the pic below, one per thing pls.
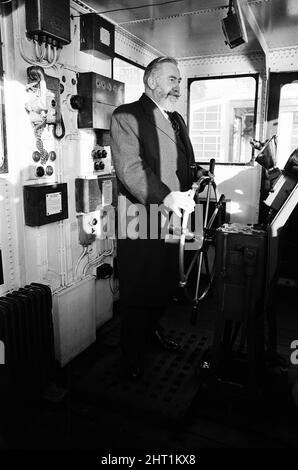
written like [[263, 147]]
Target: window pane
[[222, 118], [132, 76], [287, 136]]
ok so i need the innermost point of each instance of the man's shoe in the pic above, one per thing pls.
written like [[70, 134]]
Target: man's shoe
[[167, 343]]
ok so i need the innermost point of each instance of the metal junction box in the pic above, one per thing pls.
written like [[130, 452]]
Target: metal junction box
[[49, 18], [97, 36], [94, 193], [101, 95], [45, 203]]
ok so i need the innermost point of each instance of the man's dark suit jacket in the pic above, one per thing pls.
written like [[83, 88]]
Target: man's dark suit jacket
[[150, 161]]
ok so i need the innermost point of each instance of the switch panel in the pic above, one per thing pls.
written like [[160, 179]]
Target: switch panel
[[101, 156], [86, 224], [101, 95], [98, 224]]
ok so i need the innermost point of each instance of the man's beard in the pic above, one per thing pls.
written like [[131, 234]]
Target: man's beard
[[170, 103]]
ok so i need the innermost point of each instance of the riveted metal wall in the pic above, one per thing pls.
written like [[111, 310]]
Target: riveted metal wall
[[8, 234], [284, 59]]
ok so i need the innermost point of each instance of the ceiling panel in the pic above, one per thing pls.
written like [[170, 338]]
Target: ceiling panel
[[168, 9], [190, 28], [190, 35], [278, 20]]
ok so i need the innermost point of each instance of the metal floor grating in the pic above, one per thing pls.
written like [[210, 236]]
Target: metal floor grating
[[166, 388]]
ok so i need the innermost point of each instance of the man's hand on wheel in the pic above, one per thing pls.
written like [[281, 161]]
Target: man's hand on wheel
[[204, 177], [177, 200]]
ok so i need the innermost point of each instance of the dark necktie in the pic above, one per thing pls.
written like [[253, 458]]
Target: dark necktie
[[174, 122]]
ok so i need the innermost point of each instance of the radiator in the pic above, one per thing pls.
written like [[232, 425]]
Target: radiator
[[26, 331]]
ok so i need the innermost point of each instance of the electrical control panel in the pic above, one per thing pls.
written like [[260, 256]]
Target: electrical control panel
[[98, 224], [101, 162], [100, 96], [95, 193], [101, 159], [97, 36], [45, 203], [43, 168], [43, 97], [44, 111], [96, 155], [49, 19]]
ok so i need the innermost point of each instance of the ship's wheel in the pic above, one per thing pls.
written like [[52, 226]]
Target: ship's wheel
[[197, 248]]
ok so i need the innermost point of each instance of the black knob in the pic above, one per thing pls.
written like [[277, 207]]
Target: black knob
[[49, 170], [36, 156], [76, 102], [104, 153], [96, 153], [99, 166], [39, 172]]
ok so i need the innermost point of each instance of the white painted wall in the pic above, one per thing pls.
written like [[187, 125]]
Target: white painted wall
[[51, 254]]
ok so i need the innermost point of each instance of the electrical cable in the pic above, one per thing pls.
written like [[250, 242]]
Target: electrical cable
[[62, 129], [98, 260], [84, 253], [130, 8], [38, 57]]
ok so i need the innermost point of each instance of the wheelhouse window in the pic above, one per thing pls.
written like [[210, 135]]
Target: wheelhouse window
[[287, 135], [132, 76], [222, 117]]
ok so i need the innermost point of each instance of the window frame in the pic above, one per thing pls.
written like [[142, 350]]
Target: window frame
[[191, 80], [125, 59]]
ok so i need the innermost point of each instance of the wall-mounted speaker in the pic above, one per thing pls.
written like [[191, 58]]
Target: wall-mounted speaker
[[233, 26]]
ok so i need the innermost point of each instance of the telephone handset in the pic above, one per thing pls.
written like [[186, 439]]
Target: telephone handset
[[43, 105]]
